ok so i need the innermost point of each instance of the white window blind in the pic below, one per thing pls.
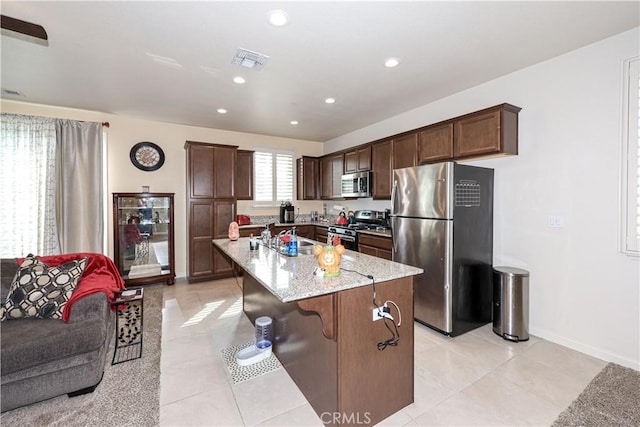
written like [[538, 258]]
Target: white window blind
[[273, 180], [631, 159]]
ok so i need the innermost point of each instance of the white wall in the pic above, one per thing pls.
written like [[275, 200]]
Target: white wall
[[584, 293], [125, 131]]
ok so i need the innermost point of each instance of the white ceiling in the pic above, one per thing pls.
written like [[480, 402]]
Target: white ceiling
[[101, 57]]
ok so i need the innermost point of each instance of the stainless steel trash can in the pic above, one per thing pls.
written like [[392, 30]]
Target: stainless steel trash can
[[511, 303]]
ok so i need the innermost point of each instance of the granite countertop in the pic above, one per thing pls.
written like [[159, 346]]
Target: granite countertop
[[294, 224], [292, 278], [382, 233]]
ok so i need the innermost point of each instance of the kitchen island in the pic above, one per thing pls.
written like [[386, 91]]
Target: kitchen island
[[324, 333]]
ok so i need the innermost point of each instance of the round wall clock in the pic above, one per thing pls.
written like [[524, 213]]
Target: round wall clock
[[147, 156]]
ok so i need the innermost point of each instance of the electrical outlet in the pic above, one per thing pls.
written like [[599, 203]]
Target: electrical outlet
[[379, 314], [556, 221]]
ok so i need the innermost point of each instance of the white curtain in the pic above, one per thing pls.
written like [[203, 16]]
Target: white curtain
[[27, 186], [80, 197]]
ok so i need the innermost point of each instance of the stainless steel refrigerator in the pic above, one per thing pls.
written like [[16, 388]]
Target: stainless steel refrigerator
[[442, 222]]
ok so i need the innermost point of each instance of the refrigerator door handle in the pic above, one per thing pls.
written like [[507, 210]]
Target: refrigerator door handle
[[394, 190], [394, 240]]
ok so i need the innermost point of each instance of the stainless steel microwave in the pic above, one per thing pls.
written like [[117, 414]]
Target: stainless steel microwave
[[356, 184]]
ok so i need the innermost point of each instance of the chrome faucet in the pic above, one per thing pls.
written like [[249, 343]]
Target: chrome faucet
[[266, 235]]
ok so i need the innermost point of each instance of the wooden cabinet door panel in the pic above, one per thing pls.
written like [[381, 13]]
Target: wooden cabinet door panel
[[321, 234], [244, 175], [351, 162], [377, 246], [477, 134], [435, 144], [305, 231], [385, 254], [358, 160], [224, 172], [364, 159], [375, 241], [326, 178], [369, 250], [382, 169], [200, 176], [337, 165], [200, 222], [201, 232], [405, 151], [247, 232], [308, 176], [201, 257], [224, 214]]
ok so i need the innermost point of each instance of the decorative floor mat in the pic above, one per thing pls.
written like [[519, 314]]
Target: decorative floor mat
[[244, 373]]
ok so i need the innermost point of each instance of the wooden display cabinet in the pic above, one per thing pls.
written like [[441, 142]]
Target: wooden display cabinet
[[143, 237]]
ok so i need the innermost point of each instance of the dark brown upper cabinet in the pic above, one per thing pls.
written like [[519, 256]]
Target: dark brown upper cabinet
[[244, 175], [382, 168], [308, 178], [405, 151], [487, 132], [331, 170], [435, 143], [358, 160]]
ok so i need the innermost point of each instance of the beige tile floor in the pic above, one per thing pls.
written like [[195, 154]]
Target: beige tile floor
[[476, 379]]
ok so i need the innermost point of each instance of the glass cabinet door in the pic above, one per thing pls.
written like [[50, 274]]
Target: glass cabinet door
[[143, 237]]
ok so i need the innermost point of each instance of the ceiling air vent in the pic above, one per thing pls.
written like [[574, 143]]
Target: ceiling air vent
[[249, 59]]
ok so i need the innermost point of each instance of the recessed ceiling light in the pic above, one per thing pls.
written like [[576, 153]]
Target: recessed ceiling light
[[294, 122], [330, 100], [221, 111], [278, 18], [239, 80], [391, 62]]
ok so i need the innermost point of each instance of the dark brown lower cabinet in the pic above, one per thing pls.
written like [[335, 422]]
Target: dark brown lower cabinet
[[375, 245], [321, 234], [208, 220]]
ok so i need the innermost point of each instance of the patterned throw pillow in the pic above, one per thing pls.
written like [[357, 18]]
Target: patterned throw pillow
[[41, 291]]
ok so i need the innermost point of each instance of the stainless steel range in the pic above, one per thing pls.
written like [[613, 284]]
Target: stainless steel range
[[365, 220]]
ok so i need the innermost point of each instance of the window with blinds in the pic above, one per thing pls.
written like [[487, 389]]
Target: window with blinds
[[274, 177], [631, 159]]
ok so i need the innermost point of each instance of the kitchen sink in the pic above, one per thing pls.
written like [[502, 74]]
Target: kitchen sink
[[305, 247]]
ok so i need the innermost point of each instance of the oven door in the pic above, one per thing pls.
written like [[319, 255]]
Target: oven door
[[349, 242]]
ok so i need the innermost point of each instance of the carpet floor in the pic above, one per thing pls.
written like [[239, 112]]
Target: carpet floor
[[129, 394], [610, 399]]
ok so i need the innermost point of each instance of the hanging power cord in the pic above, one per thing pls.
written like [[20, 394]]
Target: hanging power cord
[[385, 314]]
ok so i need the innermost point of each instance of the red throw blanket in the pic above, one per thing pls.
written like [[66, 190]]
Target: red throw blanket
[[100, 275]]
